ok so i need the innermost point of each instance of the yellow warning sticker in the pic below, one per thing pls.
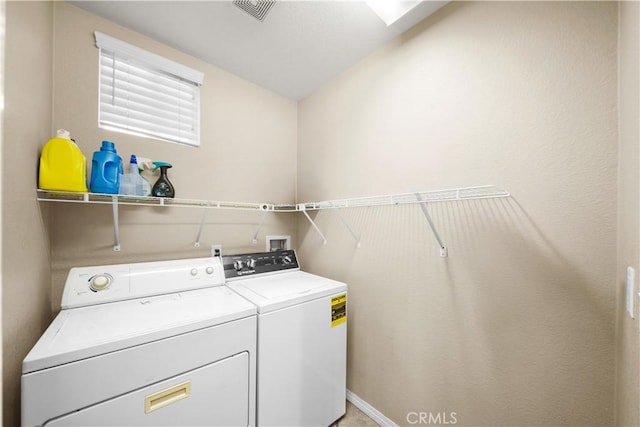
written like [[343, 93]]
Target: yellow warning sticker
[[338, 310]]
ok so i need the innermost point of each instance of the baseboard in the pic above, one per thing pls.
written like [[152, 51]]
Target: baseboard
[[370, 411]]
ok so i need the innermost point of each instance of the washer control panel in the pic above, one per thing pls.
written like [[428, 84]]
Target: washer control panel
[[258, 263], [109, 283]]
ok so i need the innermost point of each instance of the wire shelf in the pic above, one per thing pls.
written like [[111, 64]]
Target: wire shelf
[[453, 194], [98, 198], [421, 198]]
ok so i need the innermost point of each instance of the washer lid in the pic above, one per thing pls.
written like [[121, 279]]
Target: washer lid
[[281, 290], [79, 333]]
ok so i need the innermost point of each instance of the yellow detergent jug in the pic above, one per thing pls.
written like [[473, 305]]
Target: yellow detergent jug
[[63, 167]]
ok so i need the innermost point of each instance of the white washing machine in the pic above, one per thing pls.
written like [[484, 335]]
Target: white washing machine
[[159, 343], [302, 338]]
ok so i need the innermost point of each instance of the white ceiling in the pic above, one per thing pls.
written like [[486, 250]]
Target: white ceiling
[[299, 46]]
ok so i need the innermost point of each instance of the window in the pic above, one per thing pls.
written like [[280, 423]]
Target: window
[[144, 94]]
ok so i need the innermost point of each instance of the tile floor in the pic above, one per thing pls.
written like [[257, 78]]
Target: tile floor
[[354, 418]]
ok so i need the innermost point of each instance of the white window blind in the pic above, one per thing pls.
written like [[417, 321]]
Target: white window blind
[[142, 93]]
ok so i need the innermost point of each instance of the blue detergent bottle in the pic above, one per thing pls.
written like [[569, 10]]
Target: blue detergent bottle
[[106, 168]]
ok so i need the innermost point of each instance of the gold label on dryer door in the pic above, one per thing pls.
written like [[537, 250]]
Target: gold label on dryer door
[[338, 310]]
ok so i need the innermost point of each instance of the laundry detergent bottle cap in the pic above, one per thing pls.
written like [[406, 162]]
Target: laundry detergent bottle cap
[[106, 168], [133, 164], [63, 167], [162, 187], [108, 146]]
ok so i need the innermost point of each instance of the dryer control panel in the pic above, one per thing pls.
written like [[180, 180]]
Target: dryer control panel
[[109, 283], [243, 265]]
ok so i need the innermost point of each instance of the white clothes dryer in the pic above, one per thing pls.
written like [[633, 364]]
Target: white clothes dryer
[[302, 338], [158, 343]]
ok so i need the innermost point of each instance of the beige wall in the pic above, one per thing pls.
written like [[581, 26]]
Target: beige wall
[[26, 290], [516, 326], [247, 153], [627, 396]]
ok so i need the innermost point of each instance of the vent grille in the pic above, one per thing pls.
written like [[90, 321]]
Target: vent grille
[[256, 8]]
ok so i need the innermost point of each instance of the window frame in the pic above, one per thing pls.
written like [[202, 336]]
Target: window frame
[[167, 81]]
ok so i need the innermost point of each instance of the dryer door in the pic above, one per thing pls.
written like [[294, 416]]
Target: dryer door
[[214, 395]]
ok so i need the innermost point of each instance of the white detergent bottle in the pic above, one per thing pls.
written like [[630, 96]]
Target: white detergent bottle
[[145, 167], [132, 184]]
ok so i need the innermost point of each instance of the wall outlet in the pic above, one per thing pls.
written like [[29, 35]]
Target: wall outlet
[[630, 293], [216, 250]]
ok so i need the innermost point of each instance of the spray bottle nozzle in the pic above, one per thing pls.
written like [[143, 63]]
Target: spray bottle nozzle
[[161, 165]]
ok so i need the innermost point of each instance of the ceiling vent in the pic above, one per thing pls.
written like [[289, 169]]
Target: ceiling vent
[[256, 8]]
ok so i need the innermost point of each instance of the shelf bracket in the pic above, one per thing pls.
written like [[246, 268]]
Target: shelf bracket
[[444, 252], [202, 221], [116, 229], [255, 235], [353, 234], [304, 211]]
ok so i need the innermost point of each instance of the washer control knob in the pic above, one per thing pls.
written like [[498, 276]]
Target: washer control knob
[[251, 263], [194, 271], [286, 260], [237, 264], [100, 282], [209, 270]]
